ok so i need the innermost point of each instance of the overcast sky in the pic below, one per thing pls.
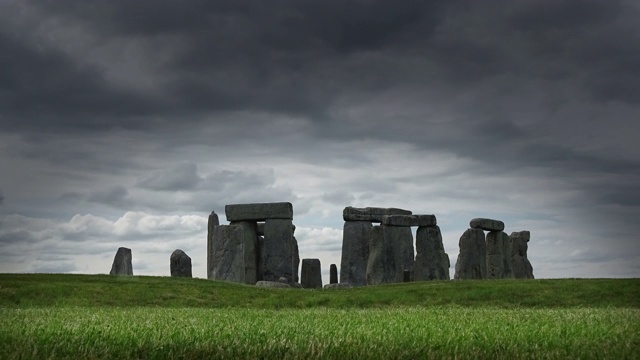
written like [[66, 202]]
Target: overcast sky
[[125, 123]]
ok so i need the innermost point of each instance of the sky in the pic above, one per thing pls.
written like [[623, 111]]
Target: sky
[[125, 123]]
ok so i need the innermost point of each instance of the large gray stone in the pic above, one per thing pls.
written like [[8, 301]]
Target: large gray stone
[[278, 250], [311, 277], [228, 254], [333, 274], [260, 257], [391, 253], [522, 268], [180, 264], [432, 263], [472, 259], [122, 262], [259, 212], [371, 214], [355, 252], [250, 249], [213, 222], [271, 284], [409, 220], [296, 258], [486, 224], [498, 256]]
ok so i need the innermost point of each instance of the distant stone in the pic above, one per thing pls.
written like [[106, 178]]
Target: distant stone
[[259, 212], [486, 224], [371, 214], [499, 256], [338, 286], [409, 220], [180, 264], [355, 252], [333, 274], [311, 277], [472, 259], [228, 254], [213, 222], [521, 266], [278, 249], [271, 284], [122, 262], [250, 250], [432, 263]]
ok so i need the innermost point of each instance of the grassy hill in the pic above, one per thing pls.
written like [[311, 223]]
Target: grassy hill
[[60, 290]]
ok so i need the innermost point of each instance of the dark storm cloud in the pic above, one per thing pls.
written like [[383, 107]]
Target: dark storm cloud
[[183, 176]]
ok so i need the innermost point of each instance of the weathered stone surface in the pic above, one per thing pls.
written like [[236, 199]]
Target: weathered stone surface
[[271, 284], [333, 274], [180, 264], [391, 253], [260, 229], [432, 263], [296, 257], [311, 277], [213, 222], [472, 259], [409, 220], [260, 256], [250, 249], [278, 250], [338, 286], [498, 256], [371, 214], [228, 254], [521, 266], [122, 262], [355, 252], [486, 224], [259, 212]]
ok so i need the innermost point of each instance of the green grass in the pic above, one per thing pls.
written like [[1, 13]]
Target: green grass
[[105, 317]]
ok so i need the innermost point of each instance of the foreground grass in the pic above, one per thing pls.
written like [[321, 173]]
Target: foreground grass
[[63, 290], [406, 333]]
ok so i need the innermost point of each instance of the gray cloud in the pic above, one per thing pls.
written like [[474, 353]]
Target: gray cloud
[[182, 176]]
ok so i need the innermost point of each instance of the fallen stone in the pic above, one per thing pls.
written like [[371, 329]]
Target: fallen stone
[[122, 262], [472, 259], [521, 266], [213, 222], [180, 264], [250, 250], [271, 284], [333, 274], [355, 252], [338, 286], [371, 214], [259, 212], [486, 224], [432, 263], [409, 220], [498, 256], [278, 250], [228, 254], [311, 277]]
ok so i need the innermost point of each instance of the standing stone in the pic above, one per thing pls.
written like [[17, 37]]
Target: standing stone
[[213, 222], [180, 264], [406, 276], [498, 256], [371, 214], [522, 268], [249, 233], [278, 250], [228, 253], [402, 239], [389, 254], [311, 277], [122, 262], [259, 212], [333, 274], [295, 259], [472, 259], [486, 224], [432, 263], [260, 257], [355, 252]]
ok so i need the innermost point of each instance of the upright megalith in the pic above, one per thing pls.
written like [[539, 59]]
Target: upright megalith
[[522, 268], [180, 264], [250, 249], [122, 262], [311, 277], [486, 224], [259, 211], [212, 223], [391, 253], [333, 274], [472, 259], [296, 255], [228, 254], [432, 263], [278, 250], [355, 252], [498, 256]]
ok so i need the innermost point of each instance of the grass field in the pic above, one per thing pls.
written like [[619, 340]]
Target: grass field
[[104, 317]]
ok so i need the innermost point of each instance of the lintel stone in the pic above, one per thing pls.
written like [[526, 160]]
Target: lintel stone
[[373, 214], [409, 220], [486, 224], [259, 211]]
